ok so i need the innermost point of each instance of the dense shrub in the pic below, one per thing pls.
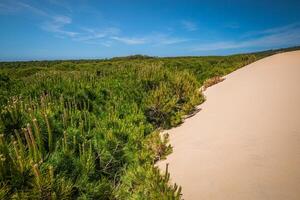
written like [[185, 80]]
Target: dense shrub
[[89, 129]]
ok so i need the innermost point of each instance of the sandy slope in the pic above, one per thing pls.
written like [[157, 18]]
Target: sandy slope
[[245, 142]]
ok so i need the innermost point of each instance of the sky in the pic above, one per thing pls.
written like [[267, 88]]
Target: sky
[[83, 29]]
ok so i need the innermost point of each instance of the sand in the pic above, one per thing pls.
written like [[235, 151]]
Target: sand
[[244, 144]]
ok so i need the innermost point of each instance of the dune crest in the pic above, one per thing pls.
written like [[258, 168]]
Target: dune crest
[[245, 141]]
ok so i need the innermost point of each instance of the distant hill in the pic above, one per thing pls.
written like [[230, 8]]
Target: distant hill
[[132, 57], [140, 57]]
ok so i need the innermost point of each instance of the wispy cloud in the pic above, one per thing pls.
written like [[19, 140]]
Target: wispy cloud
[[62, 3], [189, 25], [268, 38], [57, 24], [129, 40], [106, 43], [32, 9], [62, 26], [89, 34], [52, 23], [155, 39], [274, 30], [166, 39], [7, 8], [171, 40], [12, 6]]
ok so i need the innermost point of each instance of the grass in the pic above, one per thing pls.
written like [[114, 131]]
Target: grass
[[90, 129]]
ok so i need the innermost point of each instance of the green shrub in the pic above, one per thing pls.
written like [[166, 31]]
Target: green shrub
[[89, 129]]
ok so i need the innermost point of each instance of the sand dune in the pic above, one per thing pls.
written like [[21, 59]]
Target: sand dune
[[245, 142]]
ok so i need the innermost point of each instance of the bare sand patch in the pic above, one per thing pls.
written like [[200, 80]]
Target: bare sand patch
[[245, 142]]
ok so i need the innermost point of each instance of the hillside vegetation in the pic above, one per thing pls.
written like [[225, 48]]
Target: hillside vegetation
[[89, 129]]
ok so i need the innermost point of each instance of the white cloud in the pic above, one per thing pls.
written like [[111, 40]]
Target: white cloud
[[268, 38], [32, 9], [152, 39], [56, 25], [106, 43], [165, 39], [189, 25], [53, 23], [272, 30], [129, 40], [62, 3], [172, 40], [93, 34], [60, 25], [13, 6], [6, 7]]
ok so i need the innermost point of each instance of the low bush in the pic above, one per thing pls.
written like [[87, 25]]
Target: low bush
[[90, 129]]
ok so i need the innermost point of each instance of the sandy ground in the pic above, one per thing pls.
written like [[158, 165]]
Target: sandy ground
[[245, 142]]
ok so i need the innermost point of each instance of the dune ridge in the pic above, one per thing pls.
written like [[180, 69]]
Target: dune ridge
[[245, 141]]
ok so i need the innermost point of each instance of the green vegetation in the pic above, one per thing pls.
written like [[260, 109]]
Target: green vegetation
[[89, 129]]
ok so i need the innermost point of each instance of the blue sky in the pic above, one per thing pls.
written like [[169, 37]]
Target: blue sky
[[61, 29]]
